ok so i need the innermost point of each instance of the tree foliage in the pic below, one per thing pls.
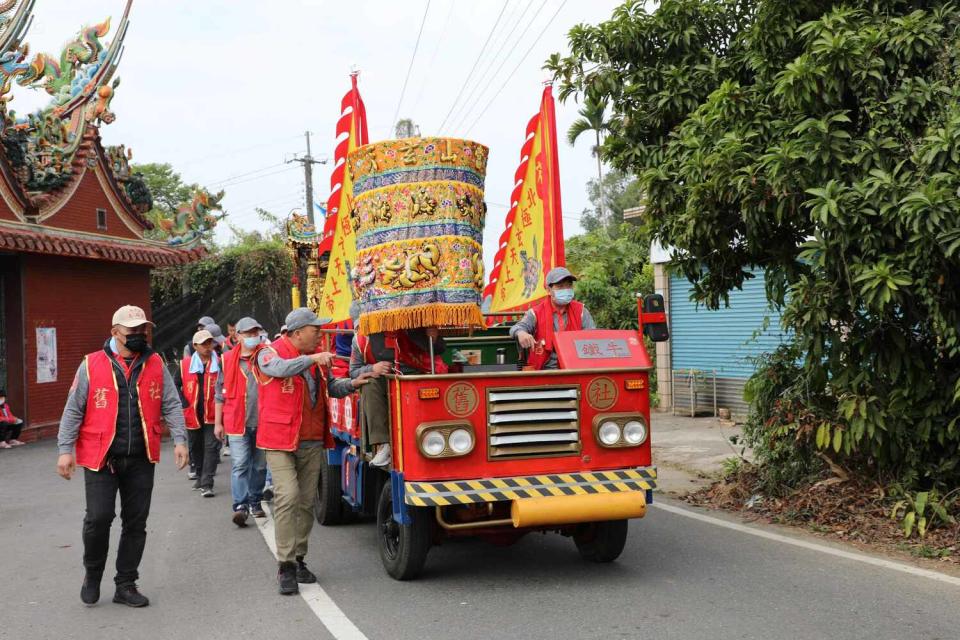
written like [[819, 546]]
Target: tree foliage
[[821, 142], [620, 191]]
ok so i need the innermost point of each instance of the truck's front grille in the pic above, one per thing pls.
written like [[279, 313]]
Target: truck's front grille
[[532, 421]]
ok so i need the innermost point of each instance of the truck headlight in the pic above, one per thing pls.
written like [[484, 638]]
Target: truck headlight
[[634, 432], [609, 433], [433, 443], [461, 441]]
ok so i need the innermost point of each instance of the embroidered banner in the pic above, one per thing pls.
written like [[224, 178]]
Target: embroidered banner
[[418, 215]]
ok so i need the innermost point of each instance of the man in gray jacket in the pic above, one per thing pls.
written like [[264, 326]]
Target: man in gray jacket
[[112, 424]]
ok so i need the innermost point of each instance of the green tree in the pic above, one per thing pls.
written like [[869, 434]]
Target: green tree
[[591, 119], [821, 142], [620, 191], [167, 187]]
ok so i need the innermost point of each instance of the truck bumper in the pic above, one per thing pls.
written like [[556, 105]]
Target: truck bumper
[[593, 492]]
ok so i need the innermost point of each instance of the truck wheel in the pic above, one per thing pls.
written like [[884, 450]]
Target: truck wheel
[[329, 505], [601, 541], [403, 547]]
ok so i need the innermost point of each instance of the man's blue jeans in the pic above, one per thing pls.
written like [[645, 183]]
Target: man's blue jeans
[[249, 469]]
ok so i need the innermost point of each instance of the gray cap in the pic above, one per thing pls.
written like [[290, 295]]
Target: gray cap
[[205, 320], [558, 274], [303, 317], [247, 324], [217, 333]]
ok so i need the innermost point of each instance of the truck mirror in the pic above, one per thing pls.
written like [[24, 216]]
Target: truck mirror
[[653, 318]]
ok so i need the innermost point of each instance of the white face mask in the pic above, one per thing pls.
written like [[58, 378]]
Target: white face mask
[[563, 296]]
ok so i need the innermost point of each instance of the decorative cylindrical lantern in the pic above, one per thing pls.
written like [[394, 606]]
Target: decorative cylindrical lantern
[[418, 213]]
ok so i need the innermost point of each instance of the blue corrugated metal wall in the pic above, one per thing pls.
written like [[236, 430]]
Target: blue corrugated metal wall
[[723, 339]]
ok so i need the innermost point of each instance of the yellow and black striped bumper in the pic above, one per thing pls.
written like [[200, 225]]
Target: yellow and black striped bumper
[[442, 494]]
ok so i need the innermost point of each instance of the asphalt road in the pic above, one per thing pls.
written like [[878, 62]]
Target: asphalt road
[[678, 578]]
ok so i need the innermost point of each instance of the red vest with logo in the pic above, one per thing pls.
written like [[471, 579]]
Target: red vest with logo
[[545, 332], [406, 351], [234, 394], [99, 424], [285, 414], [191, 392]]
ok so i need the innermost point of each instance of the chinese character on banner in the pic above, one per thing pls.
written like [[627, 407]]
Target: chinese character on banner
[[100, 398]]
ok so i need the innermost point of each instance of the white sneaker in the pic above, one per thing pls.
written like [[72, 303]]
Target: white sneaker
[[383, 457], [226, 451]]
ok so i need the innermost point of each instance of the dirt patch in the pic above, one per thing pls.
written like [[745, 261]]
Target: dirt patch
[[849, 511]]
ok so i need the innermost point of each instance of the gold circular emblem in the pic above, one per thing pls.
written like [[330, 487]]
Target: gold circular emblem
[[462, 399], [602, 394]]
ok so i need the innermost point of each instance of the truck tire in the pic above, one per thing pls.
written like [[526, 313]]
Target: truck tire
[[329, 508], [403, 547], [601, 541]]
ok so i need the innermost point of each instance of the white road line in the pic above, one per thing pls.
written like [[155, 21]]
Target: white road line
[[322, 605], [812, 546]]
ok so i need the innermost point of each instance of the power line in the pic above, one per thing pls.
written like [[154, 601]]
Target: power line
[[243, 175], [259, 177], [468, 102], [409, 67], [466, 115], [528, 52], [231, 152], [496, 73], [433, 58], [474, 67]]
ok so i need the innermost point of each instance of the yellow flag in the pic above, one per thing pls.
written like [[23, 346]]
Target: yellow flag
[[339, 238], [532, 243]]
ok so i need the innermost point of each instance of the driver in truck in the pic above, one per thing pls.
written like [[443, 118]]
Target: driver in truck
[[560, 312]]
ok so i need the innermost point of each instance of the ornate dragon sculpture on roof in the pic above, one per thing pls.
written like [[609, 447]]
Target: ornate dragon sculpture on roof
[[43, 144], [192, 220]]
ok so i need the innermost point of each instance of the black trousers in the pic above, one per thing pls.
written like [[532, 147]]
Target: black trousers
[[10, 430], [132, 477], [205, 454]]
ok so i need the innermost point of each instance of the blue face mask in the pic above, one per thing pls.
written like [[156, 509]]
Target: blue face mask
[[251, 343], [563, 296]]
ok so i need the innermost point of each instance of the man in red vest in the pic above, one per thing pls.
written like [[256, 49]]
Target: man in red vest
[[236, 418], [560, 312], [198, 382], [295, 383], [120, 400]]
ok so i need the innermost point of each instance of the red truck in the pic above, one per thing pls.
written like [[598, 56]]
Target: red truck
[[496, 451]]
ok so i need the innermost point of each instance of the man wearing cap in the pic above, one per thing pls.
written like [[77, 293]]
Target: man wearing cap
[[198, 381], [295, 384], [236, 417], [535, 331], [202, 324], [120, 400]]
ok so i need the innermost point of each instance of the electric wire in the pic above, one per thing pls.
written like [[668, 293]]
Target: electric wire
[[474, 67], [259, 177], [410, 66], [512, 73], [230, 152], [433, 58], [470, 102], [243, 175]]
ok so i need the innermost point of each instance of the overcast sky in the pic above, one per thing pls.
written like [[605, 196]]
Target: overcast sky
[[225, 88]]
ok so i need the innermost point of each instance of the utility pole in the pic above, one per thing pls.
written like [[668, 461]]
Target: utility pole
[[308, 161]]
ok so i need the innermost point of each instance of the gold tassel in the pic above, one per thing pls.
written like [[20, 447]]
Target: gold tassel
[[430, 315]]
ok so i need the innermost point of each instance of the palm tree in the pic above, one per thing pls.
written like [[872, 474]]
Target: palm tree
[[591, 119]]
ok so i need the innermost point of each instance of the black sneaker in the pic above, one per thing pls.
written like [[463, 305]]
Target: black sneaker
[[240, 516], [256, 510], [127, 594], [90, 591], [304, 575], [287, 578], [207, 492], [268, 494]]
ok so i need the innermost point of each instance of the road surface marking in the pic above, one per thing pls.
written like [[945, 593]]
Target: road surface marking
[[812, 546], [322, 605]]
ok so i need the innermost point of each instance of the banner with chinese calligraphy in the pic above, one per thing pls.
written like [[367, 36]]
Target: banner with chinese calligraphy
[[339, 238], [532, 243]]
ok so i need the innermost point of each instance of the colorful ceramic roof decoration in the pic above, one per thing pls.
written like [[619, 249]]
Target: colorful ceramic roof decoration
[[46, 155]]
